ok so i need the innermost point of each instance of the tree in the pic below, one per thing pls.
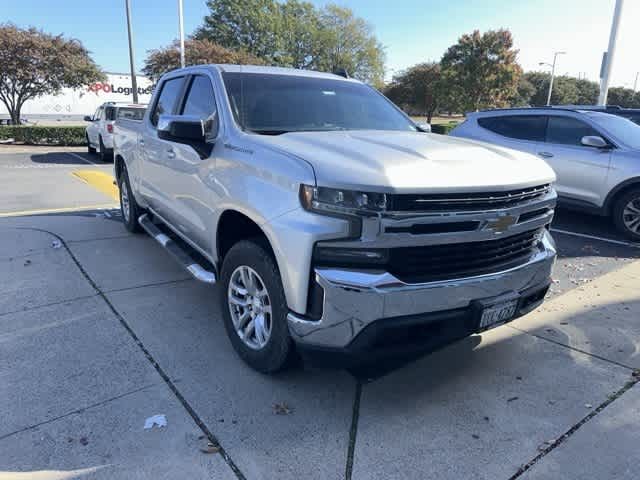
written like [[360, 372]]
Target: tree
[[34, 63], [524, 93], [418, 89], [196, 52], [624, 97], [565, 89], [483, 69], [296, 34], [349, 42], [588, 92], [250, 25]]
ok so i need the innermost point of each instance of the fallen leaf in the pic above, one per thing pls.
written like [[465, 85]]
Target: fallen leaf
[[588, 405], [512, 399], [210, 448], [282, 409], [84, 441]]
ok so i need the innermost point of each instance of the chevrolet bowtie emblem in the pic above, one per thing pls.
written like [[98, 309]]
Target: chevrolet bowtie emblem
[[501, 224]]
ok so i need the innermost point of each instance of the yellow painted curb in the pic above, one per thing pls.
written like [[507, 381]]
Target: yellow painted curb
[[101, 181], [24, 213]]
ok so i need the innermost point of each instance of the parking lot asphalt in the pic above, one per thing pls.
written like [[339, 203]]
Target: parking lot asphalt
[[100, 330]]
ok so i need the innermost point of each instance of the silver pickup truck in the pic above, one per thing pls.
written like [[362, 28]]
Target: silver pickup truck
[[332, 222]]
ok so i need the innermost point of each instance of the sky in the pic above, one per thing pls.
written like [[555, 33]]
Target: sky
[[412, 31]]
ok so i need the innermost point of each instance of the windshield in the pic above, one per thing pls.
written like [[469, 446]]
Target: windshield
[[625, 130], [273, 104]]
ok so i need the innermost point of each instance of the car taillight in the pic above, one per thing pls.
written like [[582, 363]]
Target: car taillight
[[109, 128]]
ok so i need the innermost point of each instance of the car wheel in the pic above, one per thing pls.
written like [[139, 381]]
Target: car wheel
[[104, 155], [90, 149], [626, 214], [254, 307], [128, 205]]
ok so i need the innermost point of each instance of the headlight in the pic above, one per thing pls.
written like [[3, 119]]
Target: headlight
[[338, 201]]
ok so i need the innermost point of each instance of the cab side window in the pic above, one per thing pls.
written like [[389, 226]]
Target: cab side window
[[98, 114], [521, 127], [567, 131], [167, 100], [200, 101]]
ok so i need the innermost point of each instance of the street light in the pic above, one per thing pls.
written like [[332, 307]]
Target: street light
[[134, 80], [553, 72], [181, 28]]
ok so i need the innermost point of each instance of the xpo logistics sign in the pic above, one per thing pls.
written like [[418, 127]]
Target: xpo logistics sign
[[75, 104], [106, 88]]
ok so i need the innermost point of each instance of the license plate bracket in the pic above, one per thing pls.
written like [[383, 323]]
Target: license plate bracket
[[491, 313]]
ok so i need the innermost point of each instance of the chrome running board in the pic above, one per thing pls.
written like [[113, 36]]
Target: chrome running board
[[196, 270]]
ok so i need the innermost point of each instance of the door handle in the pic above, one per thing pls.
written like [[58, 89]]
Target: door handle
[[546, 154], [171, 154]]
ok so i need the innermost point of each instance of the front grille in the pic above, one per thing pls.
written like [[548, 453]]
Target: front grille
[[463, 201], [443, 262]]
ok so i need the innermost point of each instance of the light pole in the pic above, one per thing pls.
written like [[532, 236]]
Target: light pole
[[181, 22], [553, 72], [611, 51], [635, 83], [132, 62]]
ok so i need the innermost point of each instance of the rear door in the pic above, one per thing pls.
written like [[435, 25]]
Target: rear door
[[582, 171], [157, 153], [521, 132]]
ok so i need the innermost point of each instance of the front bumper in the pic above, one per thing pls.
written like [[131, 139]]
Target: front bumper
[[355, 301]]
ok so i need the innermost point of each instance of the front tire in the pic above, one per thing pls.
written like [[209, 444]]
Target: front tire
[[129, 208], [104, 155], [626, 214], [254, 307], [90, 149]]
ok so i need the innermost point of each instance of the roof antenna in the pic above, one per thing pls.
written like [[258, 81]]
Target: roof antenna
[[341, 72]]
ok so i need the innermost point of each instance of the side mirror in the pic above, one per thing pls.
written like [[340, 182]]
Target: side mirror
[[594, 141], [87, 118], [181, 128], [424, 127]]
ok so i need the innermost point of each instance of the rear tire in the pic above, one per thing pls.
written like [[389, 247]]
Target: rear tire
[[626, 214], [90, 149], [252, 295], [128, 205]]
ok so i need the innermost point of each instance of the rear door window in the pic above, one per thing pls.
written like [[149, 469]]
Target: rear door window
[[167, 100], [567, 131], [521, 127], [110, 113]]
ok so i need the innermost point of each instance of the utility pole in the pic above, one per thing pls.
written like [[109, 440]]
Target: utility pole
[[553, 72], [635, 83], [181, 22], [132, 62], [608, 60]]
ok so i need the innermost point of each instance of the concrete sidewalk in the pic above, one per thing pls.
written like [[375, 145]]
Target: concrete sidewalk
[[105, 330]]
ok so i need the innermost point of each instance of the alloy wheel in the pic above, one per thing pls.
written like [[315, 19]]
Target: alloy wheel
[[250, 307]]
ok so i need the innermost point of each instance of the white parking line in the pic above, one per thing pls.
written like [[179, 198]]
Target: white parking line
[[81, 158], [593, 237]]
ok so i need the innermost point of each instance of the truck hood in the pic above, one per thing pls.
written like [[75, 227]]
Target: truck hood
[[397, 162]]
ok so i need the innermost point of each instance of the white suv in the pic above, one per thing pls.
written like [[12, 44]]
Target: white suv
[[99, 132], [596, 156]]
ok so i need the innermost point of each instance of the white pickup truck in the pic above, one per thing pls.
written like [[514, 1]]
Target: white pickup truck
[[331, 221]]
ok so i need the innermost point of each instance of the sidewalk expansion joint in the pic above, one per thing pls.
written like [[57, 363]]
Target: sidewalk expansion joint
[[635, 378], [165, 377], [77, 411], [575, 349], [353, 432]]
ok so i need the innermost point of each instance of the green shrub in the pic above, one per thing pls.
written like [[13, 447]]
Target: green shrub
[[443, 128], [36, 135]]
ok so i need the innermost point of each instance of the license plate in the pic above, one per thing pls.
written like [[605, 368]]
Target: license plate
[[497, 314]]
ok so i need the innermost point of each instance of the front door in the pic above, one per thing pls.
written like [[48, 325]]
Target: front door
[[191, 171], [582, 171]]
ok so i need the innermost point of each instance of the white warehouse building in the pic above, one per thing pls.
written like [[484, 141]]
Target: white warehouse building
[[74, 104]]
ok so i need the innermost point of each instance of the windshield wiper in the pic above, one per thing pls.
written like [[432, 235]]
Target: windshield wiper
[[269, 132]]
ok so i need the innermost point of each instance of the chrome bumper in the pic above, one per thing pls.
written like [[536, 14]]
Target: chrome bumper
[[354, 300]]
